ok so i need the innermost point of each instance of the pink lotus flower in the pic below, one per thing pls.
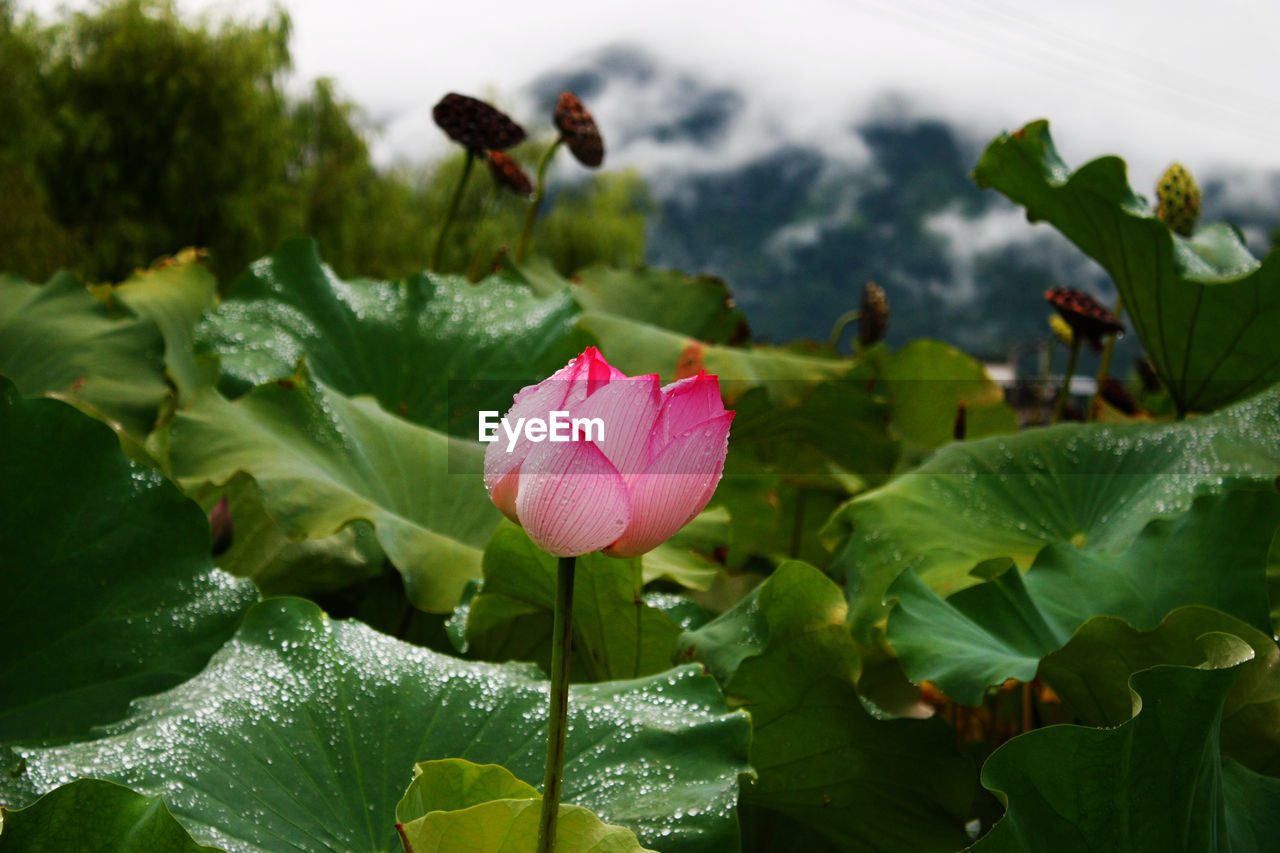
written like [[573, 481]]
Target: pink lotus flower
[[625, 491]]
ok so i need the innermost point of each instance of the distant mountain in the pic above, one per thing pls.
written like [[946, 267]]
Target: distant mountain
[[798, 221]]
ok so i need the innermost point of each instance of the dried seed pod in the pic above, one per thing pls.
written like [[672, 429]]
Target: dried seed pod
[[1086, 316], [507, 173], [1178, 200], [475, 125], [960, 428], [874, 319], [579, 131]]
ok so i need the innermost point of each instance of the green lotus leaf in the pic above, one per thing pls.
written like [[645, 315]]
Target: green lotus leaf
[[456, 805], [89, 816], [303, 731], [59, 339], [687, 558], [452, 783], [926, 381], [1157, 782], [1214, 555], [262, 551], [511, 826], [830, 428], [174, 295], [98, 608], [699, 306], [785, 654], [1205, 308], [639, 348], [1091, 674], [433, 349], [615, 633], [323, 461], [1094, 486]]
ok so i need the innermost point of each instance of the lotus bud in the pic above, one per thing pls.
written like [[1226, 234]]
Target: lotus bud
[[1178, 200], [640, 461], [874, 320], [221, 529], [579, 131]]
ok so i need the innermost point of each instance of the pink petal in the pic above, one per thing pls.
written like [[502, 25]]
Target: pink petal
[[676, 486], [503, 493], [688, 403], [536, 401], [597, 371], [628, 409], [563, 391], [571, 500]]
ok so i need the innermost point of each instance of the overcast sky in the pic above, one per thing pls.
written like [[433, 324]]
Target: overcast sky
[[1153, 81]]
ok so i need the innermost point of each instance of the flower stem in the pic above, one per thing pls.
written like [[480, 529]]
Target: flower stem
[[1060, 407], [842, 323], [1105, 366], [534, 203], [557, 723], [453, 210]]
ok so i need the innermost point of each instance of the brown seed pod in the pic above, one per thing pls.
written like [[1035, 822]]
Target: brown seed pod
[[1086, 316], [475, 125], [507, 173], [874, 320], [960, 428], [579, 131]]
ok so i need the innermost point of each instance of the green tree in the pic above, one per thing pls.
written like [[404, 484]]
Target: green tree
[[128, 132]]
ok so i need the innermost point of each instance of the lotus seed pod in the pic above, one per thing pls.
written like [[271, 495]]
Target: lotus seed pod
[[475, 125], [1061, 330], [579, 131], [1178, 198], [1086, 316], [874, 319], [507, 173]]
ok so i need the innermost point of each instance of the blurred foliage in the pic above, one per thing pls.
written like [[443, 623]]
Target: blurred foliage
[[129, 131]]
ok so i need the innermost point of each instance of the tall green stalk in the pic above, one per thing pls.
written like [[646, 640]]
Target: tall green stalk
[[534, 203], [1061, 406], [453, 210], [558, 721]]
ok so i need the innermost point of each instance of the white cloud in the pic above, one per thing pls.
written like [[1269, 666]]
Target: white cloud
[[968, 237], [1152, 81]]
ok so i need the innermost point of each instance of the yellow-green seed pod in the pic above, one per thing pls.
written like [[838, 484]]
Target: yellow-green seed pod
[[1178, 200], [1061, 329]]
